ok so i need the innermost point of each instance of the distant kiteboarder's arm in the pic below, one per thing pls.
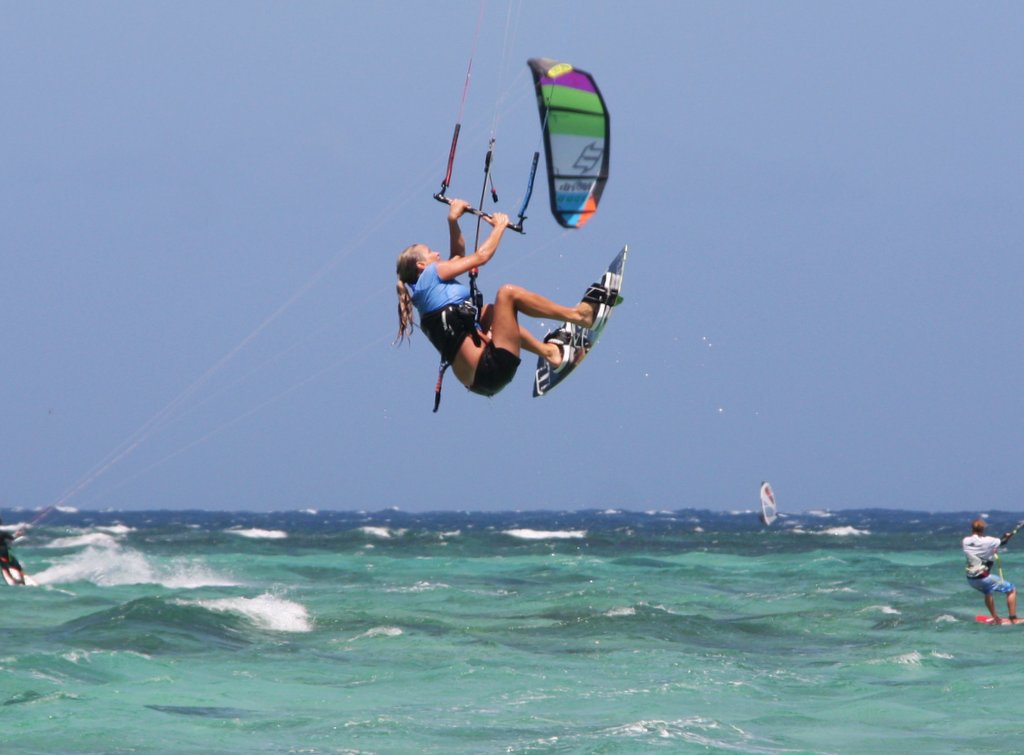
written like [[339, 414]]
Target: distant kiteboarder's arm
[[1007, 535], [456, 208]]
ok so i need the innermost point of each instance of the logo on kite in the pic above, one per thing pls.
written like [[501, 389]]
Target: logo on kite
[[589, 158], [558, 69]]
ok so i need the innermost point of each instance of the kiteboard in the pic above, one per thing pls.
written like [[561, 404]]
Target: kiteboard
[[982, 618], [580, 339], [12, 580], [768, 508]]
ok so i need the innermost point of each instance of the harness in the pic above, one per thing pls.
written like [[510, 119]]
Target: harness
[[447, 328], [979, 570]]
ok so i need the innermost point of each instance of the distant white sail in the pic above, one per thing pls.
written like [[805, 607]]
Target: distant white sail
[[768, 509]]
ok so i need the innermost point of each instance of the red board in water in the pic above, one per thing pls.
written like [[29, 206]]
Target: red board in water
[[989, 620]]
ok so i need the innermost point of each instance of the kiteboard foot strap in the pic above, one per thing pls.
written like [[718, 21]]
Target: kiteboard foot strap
[[602, 298], [600, 293], [570, 353]]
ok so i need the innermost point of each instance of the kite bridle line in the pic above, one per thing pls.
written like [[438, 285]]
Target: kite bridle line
[[441, 196], [462, 103], [478, 298], [42, 515]]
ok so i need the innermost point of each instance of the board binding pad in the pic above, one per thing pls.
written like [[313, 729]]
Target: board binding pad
[[582, 339]]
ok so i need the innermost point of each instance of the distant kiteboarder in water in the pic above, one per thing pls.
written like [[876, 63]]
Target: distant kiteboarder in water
[[982, 551], [12, 570], [481, 343]]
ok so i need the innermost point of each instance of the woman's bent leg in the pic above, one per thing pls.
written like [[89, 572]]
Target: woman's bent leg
[[505, 330]]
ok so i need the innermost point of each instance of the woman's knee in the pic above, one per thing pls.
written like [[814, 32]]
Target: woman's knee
[[509, 293]]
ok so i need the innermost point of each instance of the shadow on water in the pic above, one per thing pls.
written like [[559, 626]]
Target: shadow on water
[[203, 711]]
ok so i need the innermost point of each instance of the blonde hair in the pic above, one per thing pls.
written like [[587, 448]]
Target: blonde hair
[[408, 273]]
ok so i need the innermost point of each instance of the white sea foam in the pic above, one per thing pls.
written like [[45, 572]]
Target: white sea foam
[[190, 575], [913, 658], [378, 632], [89, 539], [421, 586], [526, 534], [883, 609], [624, 611], [265, 611], [947, 618], [258, 534], [382, 532], [701, 731], [111, 566], [86, 656], [116, 529], [842, 531]]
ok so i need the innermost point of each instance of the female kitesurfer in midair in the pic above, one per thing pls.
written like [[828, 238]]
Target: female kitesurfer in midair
[[483, 351]]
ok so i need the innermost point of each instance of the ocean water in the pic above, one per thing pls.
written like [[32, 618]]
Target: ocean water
[[517, 632]]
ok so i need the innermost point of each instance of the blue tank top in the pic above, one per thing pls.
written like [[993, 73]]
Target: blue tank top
[[430, 293]]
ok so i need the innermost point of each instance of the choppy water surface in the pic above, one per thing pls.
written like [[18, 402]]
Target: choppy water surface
[[598, 631]]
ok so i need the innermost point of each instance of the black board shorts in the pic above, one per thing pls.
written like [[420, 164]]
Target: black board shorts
[[495, 370]]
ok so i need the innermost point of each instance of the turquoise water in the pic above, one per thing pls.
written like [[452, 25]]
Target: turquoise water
[[589, 632]]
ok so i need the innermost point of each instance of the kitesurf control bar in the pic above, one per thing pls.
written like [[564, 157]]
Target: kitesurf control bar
[[517, 227]]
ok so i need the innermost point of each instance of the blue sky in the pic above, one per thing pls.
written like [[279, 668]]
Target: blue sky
[[202, 203]]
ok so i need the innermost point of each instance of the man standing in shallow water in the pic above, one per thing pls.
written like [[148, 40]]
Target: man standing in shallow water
[[981, 552]]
